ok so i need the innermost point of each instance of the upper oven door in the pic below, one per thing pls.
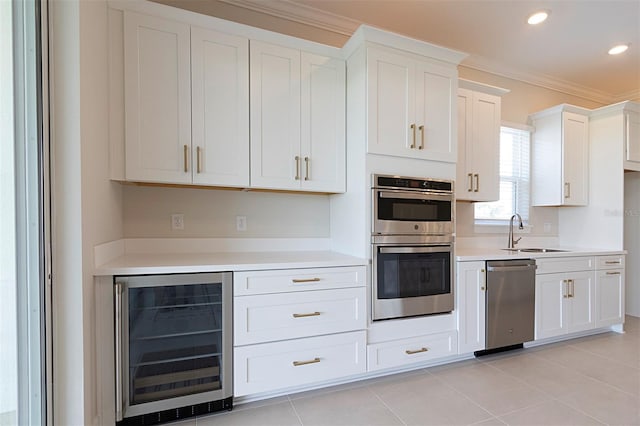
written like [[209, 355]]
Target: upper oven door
[[411, 212]]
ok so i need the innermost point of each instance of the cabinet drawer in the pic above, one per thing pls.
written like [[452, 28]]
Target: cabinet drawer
[[610, 262], [271, 366], [408, 351], [269, 317], [564, 264], [278, 281]]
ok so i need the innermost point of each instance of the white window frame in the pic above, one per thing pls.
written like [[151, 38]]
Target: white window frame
[[499, 225]]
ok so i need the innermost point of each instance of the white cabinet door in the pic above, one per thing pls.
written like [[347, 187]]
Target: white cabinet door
[[157, 99], [275, 116], [322, 149], [220, 108], [581, 300], [551, 293], [575, 159], [391, 103], [632, 141], [435, 87], [609, 297], [478, 165], [471, 308]]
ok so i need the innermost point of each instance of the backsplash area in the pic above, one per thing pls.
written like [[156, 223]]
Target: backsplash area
[[212, 213]]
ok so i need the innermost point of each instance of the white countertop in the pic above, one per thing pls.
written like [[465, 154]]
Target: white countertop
[[171, 263], [470, 254]]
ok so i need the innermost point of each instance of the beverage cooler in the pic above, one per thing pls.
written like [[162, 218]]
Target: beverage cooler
[[173, 346]]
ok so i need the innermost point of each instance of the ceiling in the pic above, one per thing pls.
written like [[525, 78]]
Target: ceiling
[[568, 52]]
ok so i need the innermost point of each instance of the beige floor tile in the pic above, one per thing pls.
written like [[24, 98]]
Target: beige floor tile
[[549, 413], [606, 404], [543, 374], [624, 349], [281, 414], [426, 400], [475, 379], [260, 403], [503, 401], [354, 407], [494, 421]]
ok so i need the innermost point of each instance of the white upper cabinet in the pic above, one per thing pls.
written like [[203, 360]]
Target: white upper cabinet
[[478, 168], [410, 105], [220, 108], [297, 120], [560, 157], [632, 140], [157, 99], [186, 103]]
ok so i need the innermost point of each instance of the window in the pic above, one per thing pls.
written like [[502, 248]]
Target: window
[[514, 180]]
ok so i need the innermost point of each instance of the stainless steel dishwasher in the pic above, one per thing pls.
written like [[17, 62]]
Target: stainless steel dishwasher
[[510, 302]]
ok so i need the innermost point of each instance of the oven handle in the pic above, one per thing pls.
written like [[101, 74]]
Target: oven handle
[[415, 249], [405, 195]]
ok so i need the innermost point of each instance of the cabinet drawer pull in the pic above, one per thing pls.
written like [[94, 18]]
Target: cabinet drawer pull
[[305, 280], [310, 361], [613, 273], [310, 314], [470, 182], [612, 262], [565, 290], [306, 167], [297, 167], [421, 128], [184, 154], [413, 140], [567, 190], [477, 188], [417, 351], [572, 288]]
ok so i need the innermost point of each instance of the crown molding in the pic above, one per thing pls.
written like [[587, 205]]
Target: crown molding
[[307, 15], [301, 14]]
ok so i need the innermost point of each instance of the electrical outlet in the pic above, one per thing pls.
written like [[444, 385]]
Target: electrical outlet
[[547, 227], [241, 223], [177, 222]]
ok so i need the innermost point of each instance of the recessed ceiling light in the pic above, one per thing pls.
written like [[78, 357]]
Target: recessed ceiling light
[[538, 17], [616, 50]]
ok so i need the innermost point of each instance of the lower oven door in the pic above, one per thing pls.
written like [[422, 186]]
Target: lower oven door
[[412, 280]]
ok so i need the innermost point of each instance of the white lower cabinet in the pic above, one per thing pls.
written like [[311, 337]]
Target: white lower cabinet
[[565, 301], [296, 327], [610, 296], [470, 306], [397, 353], [277, 365]]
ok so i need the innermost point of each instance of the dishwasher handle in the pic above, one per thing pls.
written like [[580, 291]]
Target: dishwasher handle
[[511, 268]]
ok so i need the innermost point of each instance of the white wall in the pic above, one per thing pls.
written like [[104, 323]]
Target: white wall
[[212, 213], [632, 241], [87, 207]]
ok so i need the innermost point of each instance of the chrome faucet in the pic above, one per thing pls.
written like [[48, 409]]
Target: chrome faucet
[[513, 241]]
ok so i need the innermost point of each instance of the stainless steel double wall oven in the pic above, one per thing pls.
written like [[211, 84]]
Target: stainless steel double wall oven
[[412, 246]]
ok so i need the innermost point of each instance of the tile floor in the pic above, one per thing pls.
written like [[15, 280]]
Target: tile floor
[[588, 381]]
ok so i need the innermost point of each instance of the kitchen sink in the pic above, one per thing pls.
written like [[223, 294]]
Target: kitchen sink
[[535, 250]]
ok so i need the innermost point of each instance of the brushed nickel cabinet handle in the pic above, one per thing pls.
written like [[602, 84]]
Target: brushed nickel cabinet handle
[[613, 273], [297, 168], [417, 351], [470, 182], [185, 150], [413, 130], [198, 160], [305, 280], [613, 262], [306, 166], [567, 190], [311, 361], [421, 128], [310, 314], [572, 288], [477, 176]]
